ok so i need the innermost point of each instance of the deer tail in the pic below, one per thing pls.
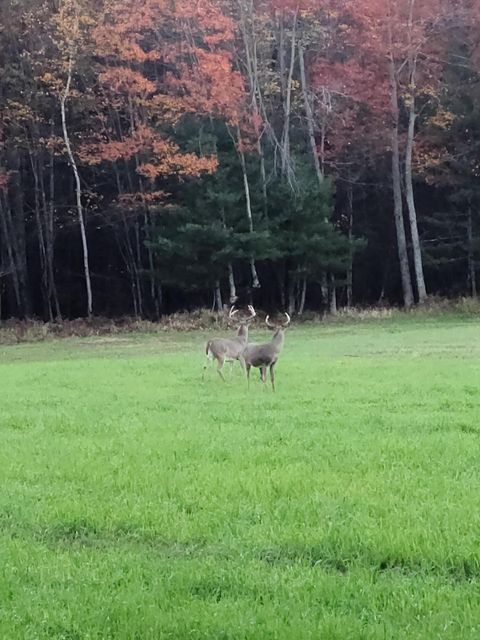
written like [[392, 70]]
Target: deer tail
[[207, 348]]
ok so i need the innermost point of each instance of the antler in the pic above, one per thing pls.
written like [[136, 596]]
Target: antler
[[274, 326], [232, 312], [269, 324], [253, 313]]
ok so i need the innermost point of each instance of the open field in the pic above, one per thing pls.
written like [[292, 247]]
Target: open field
[[138, 503]]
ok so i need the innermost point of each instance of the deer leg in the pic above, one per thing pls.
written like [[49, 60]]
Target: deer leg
[[263, 374], [241, 359], [221, 362], [272, 375], [248, 366]]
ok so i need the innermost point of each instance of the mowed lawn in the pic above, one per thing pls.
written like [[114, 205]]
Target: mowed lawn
[[138, 503]]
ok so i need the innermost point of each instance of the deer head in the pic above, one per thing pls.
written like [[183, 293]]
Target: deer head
[[241, 322], [278, 326]]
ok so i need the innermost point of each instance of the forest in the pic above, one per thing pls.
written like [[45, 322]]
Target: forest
[[164, 155]]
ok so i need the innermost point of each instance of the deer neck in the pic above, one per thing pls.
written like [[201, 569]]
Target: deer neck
[[242, 332], [278, 339]]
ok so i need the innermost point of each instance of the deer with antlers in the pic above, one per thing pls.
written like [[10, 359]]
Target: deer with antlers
[[230, 349], [264, 356]]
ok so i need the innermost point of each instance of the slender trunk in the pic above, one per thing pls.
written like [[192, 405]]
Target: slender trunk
[[10, 252], [218, 297], [231, 284], [291, 294], [248, 204], [48, 312], [128, 254], [350, 249], [397, 189], [412, 213], [303, 295], [324, 288], [49, 215], [333, 295], [472, 276], [286, 160], [147, 229], [78, 187], [138, 258], [263, 175], [279, 276], [309, 115], [251, 59], [16, 217]]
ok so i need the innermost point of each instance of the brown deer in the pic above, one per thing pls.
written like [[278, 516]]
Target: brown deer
[[230, 349], [265, 356]]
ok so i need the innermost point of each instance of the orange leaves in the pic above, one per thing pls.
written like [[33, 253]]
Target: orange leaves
[[212, 87], [123, 79], [167, 159], [180, 164], [161, 61], [158, 156]]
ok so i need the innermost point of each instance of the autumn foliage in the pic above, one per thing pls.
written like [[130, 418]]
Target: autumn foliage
[[229, 146]]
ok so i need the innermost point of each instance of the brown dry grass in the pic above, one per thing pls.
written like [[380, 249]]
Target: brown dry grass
[[16, 331]]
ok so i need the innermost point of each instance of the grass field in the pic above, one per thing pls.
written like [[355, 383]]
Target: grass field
[[138, 503]]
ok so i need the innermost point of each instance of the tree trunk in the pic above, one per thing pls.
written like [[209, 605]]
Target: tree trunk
[[472, 276], [280, 278], [350, 245], [397, 189], [412, 213], [231, 284], [248, 204], [303, 295], [48, 312], [291, 294], [78, 187], [324, 288], [50, 232], [11, 255], [333, 296], [218, 297], [309, 115], [16, 217], [287, 106]]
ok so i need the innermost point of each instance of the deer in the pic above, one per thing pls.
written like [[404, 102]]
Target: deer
[[230, 349], [265, 355]]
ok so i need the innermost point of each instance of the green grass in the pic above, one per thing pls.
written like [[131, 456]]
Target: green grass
[[138, 503]]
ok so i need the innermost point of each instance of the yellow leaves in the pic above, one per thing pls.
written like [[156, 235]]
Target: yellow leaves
[[18, 112], [134, 199], [443, 119], [272, 88], [54, 83]]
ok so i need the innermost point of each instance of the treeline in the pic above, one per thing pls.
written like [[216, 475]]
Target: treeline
[[158, 155]]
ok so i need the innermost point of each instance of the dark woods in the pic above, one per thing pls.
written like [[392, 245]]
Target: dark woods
[[297, 155]]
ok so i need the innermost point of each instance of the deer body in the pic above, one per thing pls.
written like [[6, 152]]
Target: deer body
[[229, 349], [265, 355]]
